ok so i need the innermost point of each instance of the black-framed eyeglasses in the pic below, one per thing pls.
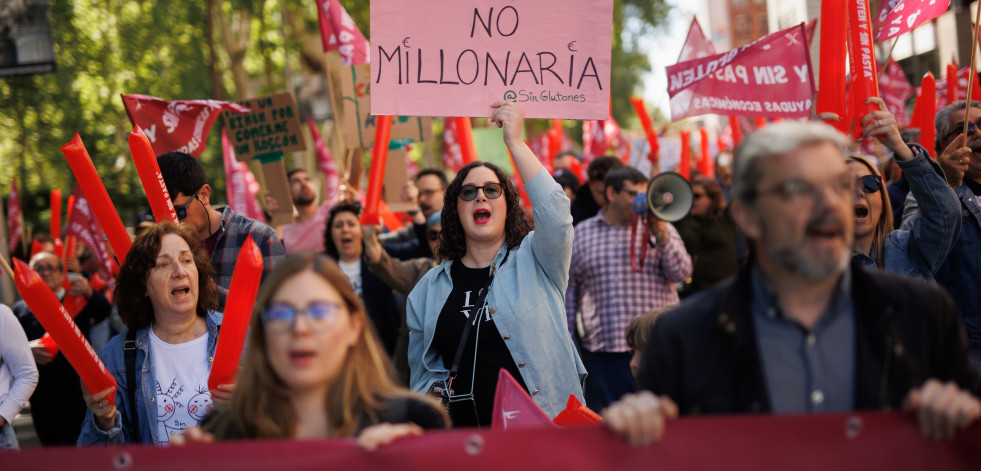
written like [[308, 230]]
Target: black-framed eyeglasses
[[957, 129], [432, 235], [869, 183], [182, 210], [281, 317], [492, 191], [42, 268]]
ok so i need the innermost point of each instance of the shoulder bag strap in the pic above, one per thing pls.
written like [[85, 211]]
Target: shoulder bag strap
[[129, 356]]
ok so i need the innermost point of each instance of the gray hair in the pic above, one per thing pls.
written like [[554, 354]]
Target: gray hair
[[776, 139], [942, 121]]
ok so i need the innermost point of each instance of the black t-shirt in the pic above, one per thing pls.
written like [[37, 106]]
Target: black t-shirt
[[493, 354]]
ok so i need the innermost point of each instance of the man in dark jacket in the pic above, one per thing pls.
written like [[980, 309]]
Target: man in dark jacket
[[800, 330]]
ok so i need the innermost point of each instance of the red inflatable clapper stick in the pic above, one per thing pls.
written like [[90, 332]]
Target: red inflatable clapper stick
[[737, 131], [645, 122], [928, 95], [56, 321], [56, 213], [81, 164], [238, 312], [831, 79], [379, 156], [684, 167], [705, 163], [952, 84], [150, 176], [861, 58]]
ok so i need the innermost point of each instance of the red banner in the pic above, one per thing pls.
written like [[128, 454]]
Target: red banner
[[83, 226], [181, 125], [338, 31], [747, 442], [770, 77], [452, 152], [696, 45], [896, 91], [15, 220], [601, 138], [240, 184], [325, 162], [908, 14]]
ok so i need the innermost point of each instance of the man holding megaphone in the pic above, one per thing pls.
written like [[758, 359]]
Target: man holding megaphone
[[605, 292]]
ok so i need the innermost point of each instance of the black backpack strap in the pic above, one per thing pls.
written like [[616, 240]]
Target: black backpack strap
[[129, 356]]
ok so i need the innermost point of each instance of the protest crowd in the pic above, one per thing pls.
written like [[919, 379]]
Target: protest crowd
[[825, 260]]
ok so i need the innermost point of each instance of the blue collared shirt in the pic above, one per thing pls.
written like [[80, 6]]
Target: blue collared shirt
[[806, 370]]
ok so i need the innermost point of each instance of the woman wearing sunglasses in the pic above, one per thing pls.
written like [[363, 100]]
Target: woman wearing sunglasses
[[313, 369], [497, 298], [922, 250]]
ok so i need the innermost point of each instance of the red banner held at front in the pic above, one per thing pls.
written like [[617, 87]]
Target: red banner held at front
[[88, 179]]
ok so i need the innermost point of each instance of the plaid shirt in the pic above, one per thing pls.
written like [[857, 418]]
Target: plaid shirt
[[229, 238], [605, 290]]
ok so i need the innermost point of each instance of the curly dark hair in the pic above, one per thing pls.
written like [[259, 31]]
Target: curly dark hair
[[329, 247], [135, 308], [714, 193], [452, 241]]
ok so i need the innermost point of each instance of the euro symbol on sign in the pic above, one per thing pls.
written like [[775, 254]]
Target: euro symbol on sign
[[405, 42], [510, 95], [573, 43]]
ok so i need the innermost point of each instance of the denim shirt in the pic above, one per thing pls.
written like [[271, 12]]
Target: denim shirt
[[919, 249], [527, 300], [114, 359]]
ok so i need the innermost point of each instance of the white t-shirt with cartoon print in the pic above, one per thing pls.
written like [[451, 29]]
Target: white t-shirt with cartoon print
[[181, 375]]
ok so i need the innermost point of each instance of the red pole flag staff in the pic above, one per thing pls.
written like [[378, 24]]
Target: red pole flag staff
[[238, 312], [376, 178], [861, 57], [81, 164], [831, 79], [150, 176], [56, 321]]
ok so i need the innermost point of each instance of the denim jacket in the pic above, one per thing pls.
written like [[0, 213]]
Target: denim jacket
[[919, 249], [961, 271], [527, 299], [114, 359]]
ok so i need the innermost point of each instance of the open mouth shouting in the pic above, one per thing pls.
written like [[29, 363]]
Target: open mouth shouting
[[861, 213], [481, 216], [181, 292]]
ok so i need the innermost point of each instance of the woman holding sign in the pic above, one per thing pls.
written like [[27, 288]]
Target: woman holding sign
[[497, 299], [166, 296]]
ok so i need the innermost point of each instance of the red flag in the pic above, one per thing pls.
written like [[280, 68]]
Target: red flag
[[885, 6], [514, 408], [601, 138], [339, 32], [696, 45], [240, 184], [895, 90], [15, 220], [576, 415], [943, 99], [83, 226], [809, 29], [908, 14], [452, 153], [326, 164], [770, 77], [181, 125]]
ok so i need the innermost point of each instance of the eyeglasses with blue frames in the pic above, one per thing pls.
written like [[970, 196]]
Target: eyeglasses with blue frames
[[869, 183], [492, 191], [281, 317], [960, 126], [182, 210]]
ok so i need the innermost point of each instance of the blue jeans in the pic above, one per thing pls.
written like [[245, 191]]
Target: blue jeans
[[609, 378], [8, 440]]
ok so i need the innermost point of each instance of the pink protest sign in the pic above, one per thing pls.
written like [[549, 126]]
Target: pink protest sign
[[456, 57], [770, 77]]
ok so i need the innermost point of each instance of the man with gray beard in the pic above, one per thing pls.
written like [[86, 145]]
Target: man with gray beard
[[800, 330]]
